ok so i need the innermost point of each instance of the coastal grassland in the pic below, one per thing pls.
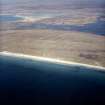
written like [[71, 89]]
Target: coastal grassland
[[65, 45]]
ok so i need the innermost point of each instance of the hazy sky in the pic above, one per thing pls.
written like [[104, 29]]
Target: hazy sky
[[55, 1], [59, 3]]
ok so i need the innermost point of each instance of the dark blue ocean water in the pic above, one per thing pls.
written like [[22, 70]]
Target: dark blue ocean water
[[26, 81]]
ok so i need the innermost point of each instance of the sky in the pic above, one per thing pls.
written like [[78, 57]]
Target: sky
[[57, 1], [51, 4]]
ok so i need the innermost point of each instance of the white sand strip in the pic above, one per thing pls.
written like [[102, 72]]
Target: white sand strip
[[36, 58]]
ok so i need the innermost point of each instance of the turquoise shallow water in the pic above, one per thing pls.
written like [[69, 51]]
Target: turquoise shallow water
[[27, 81]]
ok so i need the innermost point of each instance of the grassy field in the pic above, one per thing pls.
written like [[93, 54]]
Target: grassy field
[[65, 45]]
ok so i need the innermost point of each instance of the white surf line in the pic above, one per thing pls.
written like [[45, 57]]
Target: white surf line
[[32, 18], [37, 58]]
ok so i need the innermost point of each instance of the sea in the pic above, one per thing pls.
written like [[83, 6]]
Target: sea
[[40, 82], [37, 82]]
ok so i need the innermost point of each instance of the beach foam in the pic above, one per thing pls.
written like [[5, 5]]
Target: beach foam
[[37, 58]]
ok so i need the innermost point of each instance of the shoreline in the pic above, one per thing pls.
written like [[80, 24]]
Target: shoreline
[[51, 60]]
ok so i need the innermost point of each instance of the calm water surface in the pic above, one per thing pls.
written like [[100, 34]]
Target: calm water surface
[[26, 81]]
